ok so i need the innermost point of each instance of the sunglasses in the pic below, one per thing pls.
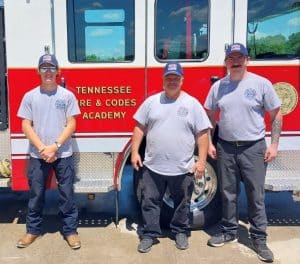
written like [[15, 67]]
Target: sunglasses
[[51, 69]]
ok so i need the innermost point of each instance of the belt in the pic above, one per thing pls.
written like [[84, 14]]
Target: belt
[[241, 143]]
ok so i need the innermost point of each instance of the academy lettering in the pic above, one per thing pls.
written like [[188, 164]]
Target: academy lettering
[[103, 115]]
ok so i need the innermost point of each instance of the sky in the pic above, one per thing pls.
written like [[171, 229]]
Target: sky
[[285, 25], [105, 42]]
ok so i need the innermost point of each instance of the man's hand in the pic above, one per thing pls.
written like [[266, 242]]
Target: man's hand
[[48, 154], [271, 153], [199, 169], [212, 151], [136, 161]]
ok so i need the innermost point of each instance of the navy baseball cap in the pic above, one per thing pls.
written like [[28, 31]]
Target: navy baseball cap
[[236, 47], [173, 68], [48, 58]]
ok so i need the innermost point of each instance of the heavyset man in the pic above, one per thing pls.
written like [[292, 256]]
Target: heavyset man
[[173, 123]]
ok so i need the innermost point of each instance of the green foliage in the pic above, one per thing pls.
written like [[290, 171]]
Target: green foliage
[[95, 58], [294, 42], [274, 46], [91, 57]]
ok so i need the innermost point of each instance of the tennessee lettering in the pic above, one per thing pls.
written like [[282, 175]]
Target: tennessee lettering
[[103, 89]]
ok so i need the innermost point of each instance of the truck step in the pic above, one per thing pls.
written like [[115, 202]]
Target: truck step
[[4, 182], [86, 185], [281, 180]]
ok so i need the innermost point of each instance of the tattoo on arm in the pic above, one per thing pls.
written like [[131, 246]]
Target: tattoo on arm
[[276, 130]]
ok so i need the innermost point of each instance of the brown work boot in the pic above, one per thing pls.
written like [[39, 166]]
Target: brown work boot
[[26, 240], [73, 241]]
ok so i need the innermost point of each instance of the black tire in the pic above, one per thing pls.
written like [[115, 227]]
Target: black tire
[[205, 209]]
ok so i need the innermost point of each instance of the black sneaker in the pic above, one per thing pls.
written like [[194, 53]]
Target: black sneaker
[[182, 241], [145, 245], [220, 239], [263, 252]]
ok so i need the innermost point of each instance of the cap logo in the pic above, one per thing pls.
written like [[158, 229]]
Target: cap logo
[[235, 47], [172, 67], [47, 58]]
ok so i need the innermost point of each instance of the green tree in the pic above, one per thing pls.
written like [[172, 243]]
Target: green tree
[[91, 57], [267, 46], [294, 43]]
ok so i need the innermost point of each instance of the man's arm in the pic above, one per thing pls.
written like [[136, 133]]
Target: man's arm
[[31, 135], [276, 123], [203, 143], [137, 137], [212, 115], [48, 152], [68, 130]]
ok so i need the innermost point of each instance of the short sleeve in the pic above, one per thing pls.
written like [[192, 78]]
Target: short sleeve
[[211, 101], [25, 109], [73, 108], [142, 114], [201, 120], [271, 99]]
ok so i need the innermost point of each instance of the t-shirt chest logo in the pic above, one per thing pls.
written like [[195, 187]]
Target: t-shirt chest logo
[[60, 104], [182, 111], [250, 93]]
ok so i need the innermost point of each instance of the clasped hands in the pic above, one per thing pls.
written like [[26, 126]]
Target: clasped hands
[[48, 153]]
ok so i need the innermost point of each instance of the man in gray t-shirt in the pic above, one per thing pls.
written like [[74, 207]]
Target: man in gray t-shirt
[[241, 99], [48, 120], [174, 123]]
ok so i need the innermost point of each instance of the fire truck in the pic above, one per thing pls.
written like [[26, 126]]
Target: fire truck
[[111, 55]]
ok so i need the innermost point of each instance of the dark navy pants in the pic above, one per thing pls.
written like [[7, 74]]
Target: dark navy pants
[[38, 173], [153, 188], [236, 161]]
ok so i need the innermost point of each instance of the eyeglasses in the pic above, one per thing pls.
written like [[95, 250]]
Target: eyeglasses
[[51, 69]]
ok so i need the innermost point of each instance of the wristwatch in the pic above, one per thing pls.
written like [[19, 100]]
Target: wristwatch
[[58, 145]]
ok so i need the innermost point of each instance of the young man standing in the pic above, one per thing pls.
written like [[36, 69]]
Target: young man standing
[[48, 112]]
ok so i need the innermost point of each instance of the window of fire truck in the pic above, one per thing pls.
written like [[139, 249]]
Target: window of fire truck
[[181, 30], [273, 29], [100, 32]]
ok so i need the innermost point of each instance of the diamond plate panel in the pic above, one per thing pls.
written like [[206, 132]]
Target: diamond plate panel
[[286, 160], [94, 171], [283, 173], [93, 186], [5, 150], [4, 182]]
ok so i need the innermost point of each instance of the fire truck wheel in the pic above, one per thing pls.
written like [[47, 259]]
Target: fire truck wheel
[[205, 204]]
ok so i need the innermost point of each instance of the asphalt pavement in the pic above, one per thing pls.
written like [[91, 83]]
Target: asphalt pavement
[[104, 242]]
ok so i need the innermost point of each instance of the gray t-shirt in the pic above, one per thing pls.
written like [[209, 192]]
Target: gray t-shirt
[[48, 112], [242, 106], [172, 126]]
